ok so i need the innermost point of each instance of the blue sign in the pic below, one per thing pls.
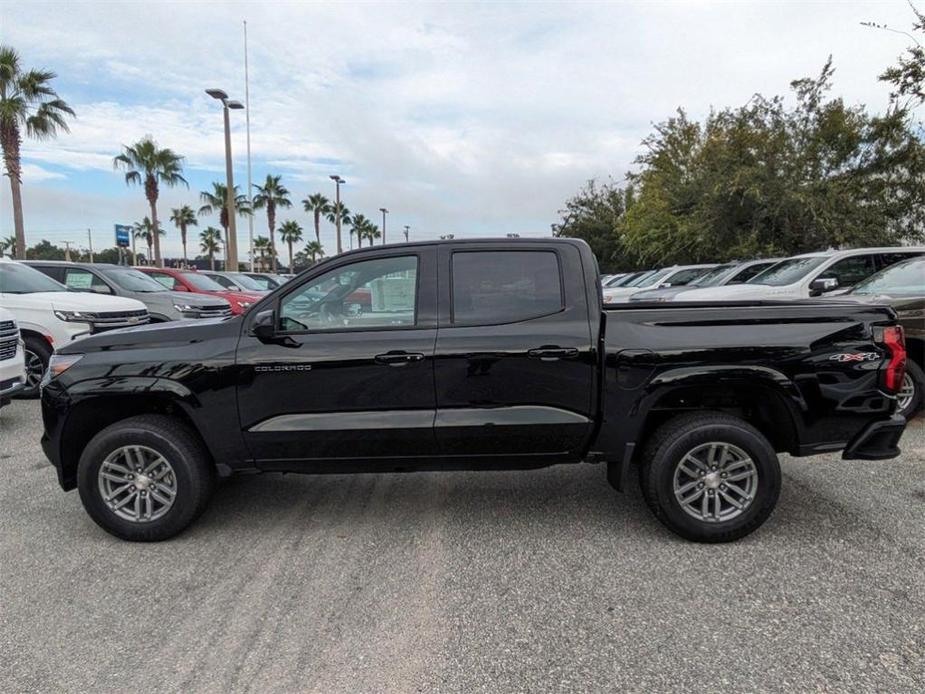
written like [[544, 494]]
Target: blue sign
[[123, 235]]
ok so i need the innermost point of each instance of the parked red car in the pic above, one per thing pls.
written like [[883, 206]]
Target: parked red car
[[197, 283]]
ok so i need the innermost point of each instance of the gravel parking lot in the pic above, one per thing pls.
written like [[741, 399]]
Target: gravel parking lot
[[465, 582]]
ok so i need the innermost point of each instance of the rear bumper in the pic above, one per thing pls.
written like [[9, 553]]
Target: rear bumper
[[877, 441]]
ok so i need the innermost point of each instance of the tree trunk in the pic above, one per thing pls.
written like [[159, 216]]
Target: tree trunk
[[290, 255], [271, 220], [10, 142], [318, 226], [156, 236], [212, 261], [223, 221], [183, 240]]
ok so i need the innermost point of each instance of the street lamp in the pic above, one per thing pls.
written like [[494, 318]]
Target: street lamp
[[337, 210], [407, 230], [231, 243], [384, 212]]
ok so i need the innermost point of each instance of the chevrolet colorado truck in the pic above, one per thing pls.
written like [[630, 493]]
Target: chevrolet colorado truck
[[477, 354]]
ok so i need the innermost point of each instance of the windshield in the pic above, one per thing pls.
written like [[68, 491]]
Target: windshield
[[134, 280], [713, 276], [206, 284], [615, 280], [680, 278], [788, 271], [904, 279], [264, 282], [639, 279], [247, 282], [22, 279], [653, 278]]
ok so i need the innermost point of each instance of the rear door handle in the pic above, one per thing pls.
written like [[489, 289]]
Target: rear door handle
[[398, 358], [553, 353]]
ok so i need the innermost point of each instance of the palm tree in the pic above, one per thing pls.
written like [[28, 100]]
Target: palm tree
[[338, 210], [318, 205], [27, 102], [371, 232], [210, 241], [262, 246], [216, 200], [7, 244], [315, 250], [272, 194], [147, 164], [364, 229], [289, 233], [144, 230], [183, 217]]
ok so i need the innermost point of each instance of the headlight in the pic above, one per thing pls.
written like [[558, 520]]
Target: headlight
[[58, 364], [182, 308], [78, 316], [245, 304]]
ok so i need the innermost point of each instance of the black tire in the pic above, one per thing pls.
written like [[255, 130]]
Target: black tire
[[171, 438], [36, 347], [918, 383], [666, 450]]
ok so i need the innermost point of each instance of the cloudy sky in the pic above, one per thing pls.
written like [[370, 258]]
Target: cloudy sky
[[467, 118]]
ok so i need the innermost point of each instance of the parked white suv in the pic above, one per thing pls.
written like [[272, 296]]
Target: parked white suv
[[811, 274], [49, 315], [12, 363]]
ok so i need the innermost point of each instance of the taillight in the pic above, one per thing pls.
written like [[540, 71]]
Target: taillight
[[896, 367]]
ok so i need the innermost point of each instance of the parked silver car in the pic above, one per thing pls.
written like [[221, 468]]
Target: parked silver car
[[119, 280]]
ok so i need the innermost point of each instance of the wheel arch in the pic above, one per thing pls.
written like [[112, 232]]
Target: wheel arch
[[93, 413]]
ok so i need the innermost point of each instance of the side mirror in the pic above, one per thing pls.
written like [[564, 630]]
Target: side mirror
[[264, 326], [822, 285]]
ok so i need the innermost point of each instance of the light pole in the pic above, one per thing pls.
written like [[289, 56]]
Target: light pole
[[337, 210], [407, 230], [231, 243], [384, 212]]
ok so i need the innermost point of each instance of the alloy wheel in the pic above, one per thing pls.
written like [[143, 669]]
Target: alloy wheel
[[137, 483], [715, 482], [34, 369], [906, 393]]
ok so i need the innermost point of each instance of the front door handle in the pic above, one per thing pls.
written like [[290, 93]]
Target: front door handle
[[398, 358], [553, 353]]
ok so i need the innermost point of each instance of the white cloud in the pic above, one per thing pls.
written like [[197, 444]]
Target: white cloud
[[463, 118], [33, 172]]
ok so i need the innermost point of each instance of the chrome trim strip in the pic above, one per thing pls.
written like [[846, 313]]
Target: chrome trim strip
[[518, 415]]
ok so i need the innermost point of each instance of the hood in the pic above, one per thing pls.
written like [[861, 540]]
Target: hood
[[168, 334], [191, 299], [735, 292], [77, 301]]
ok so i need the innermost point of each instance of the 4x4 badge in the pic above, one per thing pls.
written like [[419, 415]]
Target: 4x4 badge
[[855, 356]]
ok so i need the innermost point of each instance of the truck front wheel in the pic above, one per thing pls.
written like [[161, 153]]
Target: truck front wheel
[[145, 478], [710, 477]]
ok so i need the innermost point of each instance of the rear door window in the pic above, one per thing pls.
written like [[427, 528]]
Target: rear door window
[[495, 287], [850, 271], [887, 259], [165, 279]]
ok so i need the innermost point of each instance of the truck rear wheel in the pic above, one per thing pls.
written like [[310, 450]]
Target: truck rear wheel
[[145, 478], [910, 395], [710, 477]]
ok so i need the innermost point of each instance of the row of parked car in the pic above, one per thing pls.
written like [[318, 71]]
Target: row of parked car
[[894, 276], [47, 304]]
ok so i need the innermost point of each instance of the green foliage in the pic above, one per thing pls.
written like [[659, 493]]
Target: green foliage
[[45, 250], [908, 75], [765, 179], [595, 214]]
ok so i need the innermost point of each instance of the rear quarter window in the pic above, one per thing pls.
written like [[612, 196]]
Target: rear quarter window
[[495, 287]]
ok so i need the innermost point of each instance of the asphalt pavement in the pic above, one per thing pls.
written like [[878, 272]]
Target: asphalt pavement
[[464, 582]]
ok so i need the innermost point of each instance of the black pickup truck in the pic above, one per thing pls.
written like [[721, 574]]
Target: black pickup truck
[[482, 354]]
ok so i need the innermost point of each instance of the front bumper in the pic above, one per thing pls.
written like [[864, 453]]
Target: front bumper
[[877, 441]]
